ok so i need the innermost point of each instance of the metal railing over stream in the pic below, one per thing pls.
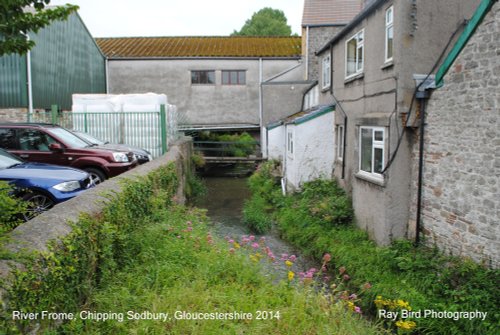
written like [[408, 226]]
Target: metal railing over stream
[[229, 152]]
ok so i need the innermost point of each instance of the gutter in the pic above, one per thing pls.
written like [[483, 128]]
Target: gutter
[[481, 11], [354, 22]]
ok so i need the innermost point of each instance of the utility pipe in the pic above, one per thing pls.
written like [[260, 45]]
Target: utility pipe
[[30, 82], [422, 96]]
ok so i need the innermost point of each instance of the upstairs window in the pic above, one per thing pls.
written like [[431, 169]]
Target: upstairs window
[[234, 77], [206, 77], [389, 33], [372, 151], [326, 72], [354, 54]]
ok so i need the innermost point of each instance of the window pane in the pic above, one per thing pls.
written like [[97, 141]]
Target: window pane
[[202, 77], [379, 135], [366, 150], [242, 77], [378, 160], [351, 57], [7, 139], [211, 77], [390, 33]]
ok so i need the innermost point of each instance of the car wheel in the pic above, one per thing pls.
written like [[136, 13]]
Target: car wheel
[[37, 204], [96, 175]]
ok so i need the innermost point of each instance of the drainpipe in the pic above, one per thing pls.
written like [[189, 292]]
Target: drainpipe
[[30, 82], [261, 109], [422, 98], [106, 68], [307, 53]]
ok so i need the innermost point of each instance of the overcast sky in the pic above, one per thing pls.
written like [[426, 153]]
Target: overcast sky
[[108, 18]]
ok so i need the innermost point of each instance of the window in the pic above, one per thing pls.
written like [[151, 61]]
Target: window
[[8, 139], [34, 140], [233, 77], [389, 33], [203, 77], [326, 72], [371, 153], [289, 144], [354, 55], [340, 142]]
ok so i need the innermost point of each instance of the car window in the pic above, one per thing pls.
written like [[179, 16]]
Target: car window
[[7, 160], [8, 138], [68, 138], [32, 139], [89, 138]]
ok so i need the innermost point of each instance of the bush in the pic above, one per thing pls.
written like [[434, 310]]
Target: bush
[[11, 209]]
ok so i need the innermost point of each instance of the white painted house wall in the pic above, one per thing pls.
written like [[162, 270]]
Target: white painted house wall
[[276, 141], [313, 153]]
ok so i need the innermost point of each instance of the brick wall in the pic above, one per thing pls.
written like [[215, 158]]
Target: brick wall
[[461, 196]]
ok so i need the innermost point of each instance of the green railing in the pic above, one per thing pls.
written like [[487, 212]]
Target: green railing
[[227, 149], [148, 130]]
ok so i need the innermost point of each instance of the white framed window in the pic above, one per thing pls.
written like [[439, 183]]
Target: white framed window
[[372, 151], [326, 72], [289, 142], [389, 33], [354, 54], [340, 142]]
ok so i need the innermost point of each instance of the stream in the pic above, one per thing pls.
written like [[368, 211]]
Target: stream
[[224, 202]]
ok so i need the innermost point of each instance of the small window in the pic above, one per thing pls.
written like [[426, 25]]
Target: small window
[[8, 139], [340, 142], [326, 72], [355, 55], [34, 140], [203, 77], [389, 33], [372, 151], [233, 77]]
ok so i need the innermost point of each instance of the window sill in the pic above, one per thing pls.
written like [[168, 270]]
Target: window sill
[[380, 181], [325, 89], [354, 78], [387, 65]]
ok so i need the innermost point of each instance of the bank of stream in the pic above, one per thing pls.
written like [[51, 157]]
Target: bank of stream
[[224, 201]]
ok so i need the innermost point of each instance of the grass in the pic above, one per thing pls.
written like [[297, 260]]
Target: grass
[[177, 265], [319, 220]]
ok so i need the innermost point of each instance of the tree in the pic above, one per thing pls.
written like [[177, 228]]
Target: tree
[[265, 22], [18, 17]]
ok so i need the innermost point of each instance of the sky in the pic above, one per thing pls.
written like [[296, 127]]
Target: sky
[[121, 18]]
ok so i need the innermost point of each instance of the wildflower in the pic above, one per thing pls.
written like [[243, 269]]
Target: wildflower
[[236, 245], [262, 239], [231, 241], [251, 238], [353, 296], [350, 305], [403, 304], [293, 258], [326, 258], [189, 223], [406, 325], [189, 229], [255, 245], [231, 250], [367, 286], [357, 309], [290, 275], [346, 277], [342, 269], [288, 263]]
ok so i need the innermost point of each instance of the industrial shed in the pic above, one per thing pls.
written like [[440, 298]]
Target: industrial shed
[[65, 60]]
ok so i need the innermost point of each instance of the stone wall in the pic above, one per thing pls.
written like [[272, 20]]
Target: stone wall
[[318, 37], [13, 114], [461, 191]]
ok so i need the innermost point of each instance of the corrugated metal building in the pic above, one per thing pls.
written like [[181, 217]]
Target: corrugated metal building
[[65, 60]]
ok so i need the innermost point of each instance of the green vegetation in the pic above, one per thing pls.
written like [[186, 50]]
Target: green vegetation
[[422, 277], [144, 254], [238, 145], [10, 209], [265, 22]]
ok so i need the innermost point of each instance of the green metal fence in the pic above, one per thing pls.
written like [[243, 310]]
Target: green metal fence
[[148, 130]]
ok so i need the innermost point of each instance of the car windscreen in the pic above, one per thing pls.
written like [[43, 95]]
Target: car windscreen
[[7, 160], [68, 138], [89, 138]]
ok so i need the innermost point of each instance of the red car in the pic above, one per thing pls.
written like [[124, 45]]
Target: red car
[[46, 143]]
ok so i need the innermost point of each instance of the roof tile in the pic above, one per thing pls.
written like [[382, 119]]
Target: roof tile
[[234, 46]]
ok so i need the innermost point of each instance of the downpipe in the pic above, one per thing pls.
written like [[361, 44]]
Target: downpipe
[[422, 98]]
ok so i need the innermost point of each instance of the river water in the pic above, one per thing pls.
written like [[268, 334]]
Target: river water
[[224, 202]]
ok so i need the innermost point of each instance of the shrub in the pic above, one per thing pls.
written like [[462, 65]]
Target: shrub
[[10, 208], [256, 215]]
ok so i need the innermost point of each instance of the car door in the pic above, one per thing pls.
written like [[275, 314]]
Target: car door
[[33, 146]]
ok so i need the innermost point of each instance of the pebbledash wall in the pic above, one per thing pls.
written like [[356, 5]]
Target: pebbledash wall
[[461, 191]]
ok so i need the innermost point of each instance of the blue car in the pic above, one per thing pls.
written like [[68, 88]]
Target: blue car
[[42, 185]]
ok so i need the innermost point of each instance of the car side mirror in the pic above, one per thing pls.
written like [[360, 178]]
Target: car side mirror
[[57, 147]]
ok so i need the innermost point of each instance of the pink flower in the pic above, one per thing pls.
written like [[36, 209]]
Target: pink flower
[[255, 245], [326, 258], [231, 241], [353, 296], [293, 258], [357, 309], [189, 228], [284, 257], [346, 277], [367, 286], [231, 250], [251, 238], [189, 223], [262, 239]]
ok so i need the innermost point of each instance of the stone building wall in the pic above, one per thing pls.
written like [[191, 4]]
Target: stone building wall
[[461, 191], [13, 114], [318, 37]]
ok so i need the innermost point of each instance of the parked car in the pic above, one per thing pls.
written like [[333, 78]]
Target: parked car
[[143, 156], [46, 143], [42, 185]]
